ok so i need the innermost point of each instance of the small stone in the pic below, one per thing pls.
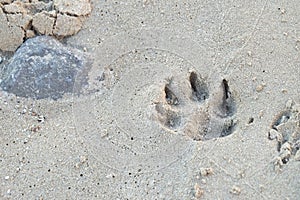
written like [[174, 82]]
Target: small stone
[[20, 20], [29, 34], [235, 190], [66, 25], [83, 159], [11, 36], [273, 134], [43, 23], [285, 156], [1, 60], [52, 13], [259, 88], [282, 11], [261, 113], [75, 8], [284, 91], [15, 7], [286, 147], [6, 177], [198, 191], [277, 163], [34, 7], [206, 171]]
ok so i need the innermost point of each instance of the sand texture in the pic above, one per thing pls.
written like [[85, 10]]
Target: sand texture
[[150, 100]]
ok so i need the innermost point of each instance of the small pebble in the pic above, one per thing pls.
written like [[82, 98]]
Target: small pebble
[[206, 171], [282, 11], [235, 190], [273, 134], [286, 147], [1, 60], [284, 91], [259, 88], [261, 114], [83, 159], [6, 177], [198, 191]]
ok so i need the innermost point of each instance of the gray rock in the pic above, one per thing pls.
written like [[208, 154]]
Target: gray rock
[[44, 68]]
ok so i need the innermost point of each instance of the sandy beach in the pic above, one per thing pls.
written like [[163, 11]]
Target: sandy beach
[[170, 100]]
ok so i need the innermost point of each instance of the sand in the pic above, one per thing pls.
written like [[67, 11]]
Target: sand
[[186, 100]]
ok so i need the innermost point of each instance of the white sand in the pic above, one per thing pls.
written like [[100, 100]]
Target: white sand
[[110, 144]]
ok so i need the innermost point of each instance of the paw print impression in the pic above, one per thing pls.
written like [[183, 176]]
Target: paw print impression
[[187, 106], [285, 129], [157, 107]]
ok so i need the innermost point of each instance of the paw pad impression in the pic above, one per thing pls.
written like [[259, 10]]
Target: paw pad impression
[[285, 129], [186, 105]]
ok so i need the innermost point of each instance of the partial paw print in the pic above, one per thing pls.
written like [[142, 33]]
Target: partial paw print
[[285, 129], [187, 106]]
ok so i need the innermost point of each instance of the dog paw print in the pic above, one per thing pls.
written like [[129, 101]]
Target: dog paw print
[[187, 106], [285, 129]]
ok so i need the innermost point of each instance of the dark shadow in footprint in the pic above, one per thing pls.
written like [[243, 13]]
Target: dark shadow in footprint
[[278, 124], [228, 105], [167, 116], [281, 118], [200, 90], [228, 128], [170, 96]]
